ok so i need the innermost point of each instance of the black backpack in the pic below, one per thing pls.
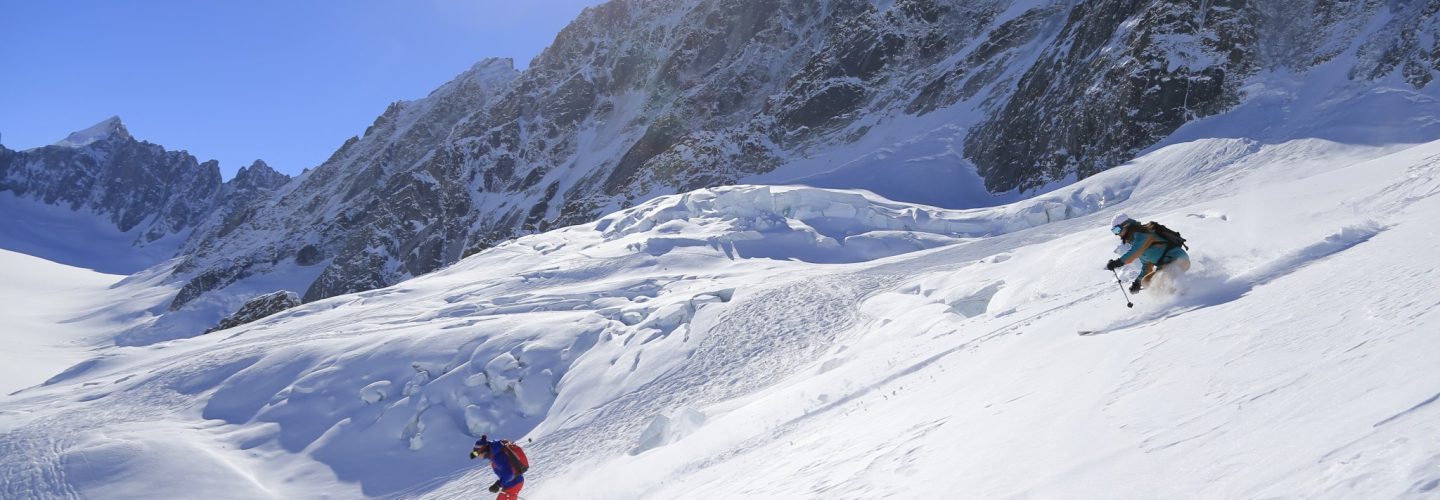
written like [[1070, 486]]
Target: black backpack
[[1171, 236]]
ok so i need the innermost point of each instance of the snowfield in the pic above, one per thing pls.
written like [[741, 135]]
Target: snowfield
[[37, 299], [794, 342]]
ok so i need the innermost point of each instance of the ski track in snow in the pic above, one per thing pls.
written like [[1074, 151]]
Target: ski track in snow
[[48, 438]]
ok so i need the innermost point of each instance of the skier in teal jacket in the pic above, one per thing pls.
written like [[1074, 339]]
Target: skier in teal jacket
[[1157, 256]]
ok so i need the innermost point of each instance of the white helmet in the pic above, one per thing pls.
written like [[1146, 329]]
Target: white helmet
[[1119, 219]]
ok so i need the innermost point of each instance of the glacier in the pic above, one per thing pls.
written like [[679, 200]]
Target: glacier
[[854, 346]]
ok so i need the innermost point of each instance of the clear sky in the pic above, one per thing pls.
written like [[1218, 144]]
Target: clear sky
[[283, 81]]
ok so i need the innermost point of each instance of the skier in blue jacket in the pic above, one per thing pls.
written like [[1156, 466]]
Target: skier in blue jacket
[[511, 480], [1156, 254]]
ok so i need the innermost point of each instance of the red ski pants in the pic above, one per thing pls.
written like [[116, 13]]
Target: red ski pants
[[511, 493]]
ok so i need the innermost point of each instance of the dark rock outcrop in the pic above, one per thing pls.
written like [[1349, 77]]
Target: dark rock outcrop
[[258, 308]]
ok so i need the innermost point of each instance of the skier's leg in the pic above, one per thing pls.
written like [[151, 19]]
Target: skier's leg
[[1147, 273], [511, 493], [1180, 265], [1166, 281]]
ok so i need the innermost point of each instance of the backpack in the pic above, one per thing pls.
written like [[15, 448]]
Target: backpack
[[516, 455], [1171, 236]]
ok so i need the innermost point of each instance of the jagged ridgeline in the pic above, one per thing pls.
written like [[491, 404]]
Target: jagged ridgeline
[[636, 99], [151, 193]]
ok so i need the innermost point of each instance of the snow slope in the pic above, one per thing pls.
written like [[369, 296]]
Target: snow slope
[[38, 301], [790, 342], [79, 238]]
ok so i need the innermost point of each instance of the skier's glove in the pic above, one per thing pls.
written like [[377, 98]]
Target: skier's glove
[[495, 488], [474, 454], [1135, 286], [1114, 264]]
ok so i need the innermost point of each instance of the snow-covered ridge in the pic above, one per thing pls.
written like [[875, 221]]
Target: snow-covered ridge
[[102, 176], [830, 225], [809, 224], [109, 128]]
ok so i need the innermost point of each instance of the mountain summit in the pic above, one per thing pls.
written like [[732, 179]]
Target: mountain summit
[[147, 199], [110, 128]]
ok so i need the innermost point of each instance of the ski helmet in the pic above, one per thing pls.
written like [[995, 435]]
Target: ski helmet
[[1118, 224]]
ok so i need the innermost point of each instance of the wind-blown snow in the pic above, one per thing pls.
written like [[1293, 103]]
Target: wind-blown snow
[[794, 342]]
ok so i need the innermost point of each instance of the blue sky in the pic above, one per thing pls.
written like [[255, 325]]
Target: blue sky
[[283, 81]]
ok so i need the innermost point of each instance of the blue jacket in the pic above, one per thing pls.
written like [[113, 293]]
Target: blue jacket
[[1150, 249], [500, 463]]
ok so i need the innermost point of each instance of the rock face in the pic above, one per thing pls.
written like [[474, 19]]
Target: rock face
[[633, 99], [242, 196], [636, 99], [392, 192], [1123, 74], [257, 308], [1120, 76]]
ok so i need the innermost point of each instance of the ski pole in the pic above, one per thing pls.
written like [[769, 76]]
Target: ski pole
[[1118, 281]]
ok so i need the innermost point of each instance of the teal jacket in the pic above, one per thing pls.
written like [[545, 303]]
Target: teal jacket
[[1151, 250]]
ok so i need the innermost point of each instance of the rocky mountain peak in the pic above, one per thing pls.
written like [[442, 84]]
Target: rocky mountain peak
[[258, 175], [142, 188], [503, 66], [109, 128]]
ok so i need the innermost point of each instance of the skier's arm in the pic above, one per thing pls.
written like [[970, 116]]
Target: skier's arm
[[1142, 241]]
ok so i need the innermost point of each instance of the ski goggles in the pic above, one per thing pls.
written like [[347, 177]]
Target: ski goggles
[[1117, 229]]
